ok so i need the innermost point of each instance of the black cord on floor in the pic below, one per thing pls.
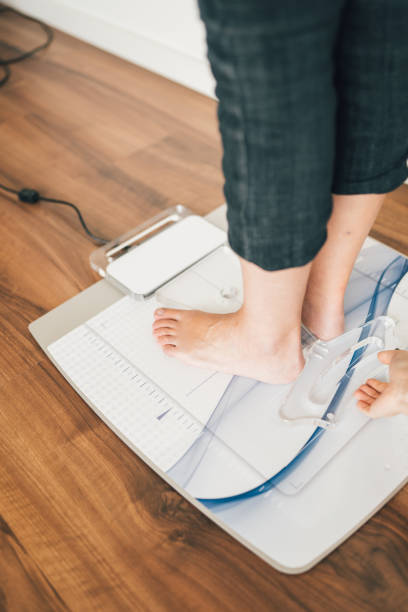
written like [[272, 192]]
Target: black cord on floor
[[25, 54], [31, 196], [6, 76], [5, 63]]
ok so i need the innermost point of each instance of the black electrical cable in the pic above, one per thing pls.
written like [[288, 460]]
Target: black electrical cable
[[32, 196], [5, 63], [6, 75]]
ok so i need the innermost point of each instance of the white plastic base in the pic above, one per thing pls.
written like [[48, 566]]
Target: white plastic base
[[292, 518]]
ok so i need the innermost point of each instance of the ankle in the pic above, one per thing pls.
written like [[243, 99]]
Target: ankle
[[324, 317], [268, 335]]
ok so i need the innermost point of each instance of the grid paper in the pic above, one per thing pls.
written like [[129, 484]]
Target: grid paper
[[153, 422]]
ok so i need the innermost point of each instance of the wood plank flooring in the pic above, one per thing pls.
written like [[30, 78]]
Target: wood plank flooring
[[84, 524]]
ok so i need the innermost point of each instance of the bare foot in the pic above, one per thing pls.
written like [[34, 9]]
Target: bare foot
[[381, 399], [229, 343]]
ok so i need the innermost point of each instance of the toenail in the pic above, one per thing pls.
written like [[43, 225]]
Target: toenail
[[160, 311]]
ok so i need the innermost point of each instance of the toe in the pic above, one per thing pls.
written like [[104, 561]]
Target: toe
[[364, 406], [164, 331], [169, 350], [166, 339], [378, 385], [387, 356], [167, 313], [361, 395], [170, 323], [370, 391]]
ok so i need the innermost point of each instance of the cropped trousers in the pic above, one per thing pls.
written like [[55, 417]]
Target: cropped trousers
[[312, 100]]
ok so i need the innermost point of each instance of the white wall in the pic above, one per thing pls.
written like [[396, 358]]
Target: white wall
[[165, 36]]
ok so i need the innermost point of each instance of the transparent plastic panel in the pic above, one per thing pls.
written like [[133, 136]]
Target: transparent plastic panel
[[330, 366], [144, 259]]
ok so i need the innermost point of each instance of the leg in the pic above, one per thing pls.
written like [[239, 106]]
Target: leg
[[349, 224], [261, 340], [274, 72], [371, 146]]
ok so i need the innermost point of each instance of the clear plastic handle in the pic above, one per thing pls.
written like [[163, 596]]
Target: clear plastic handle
[[334, 372], [331, 367]]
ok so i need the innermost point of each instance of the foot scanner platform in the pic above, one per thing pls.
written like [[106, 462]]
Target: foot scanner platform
[[290, 471]]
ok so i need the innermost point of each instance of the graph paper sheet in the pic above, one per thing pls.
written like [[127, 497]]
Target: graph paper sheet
[[100, 357]]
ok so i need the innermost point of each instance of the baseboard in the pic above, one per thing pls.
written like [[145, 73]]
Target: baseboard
[[127, 43]]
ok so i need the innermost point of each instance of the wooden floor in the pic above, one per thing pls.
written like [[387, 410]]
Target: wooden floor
[[84, 524]]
